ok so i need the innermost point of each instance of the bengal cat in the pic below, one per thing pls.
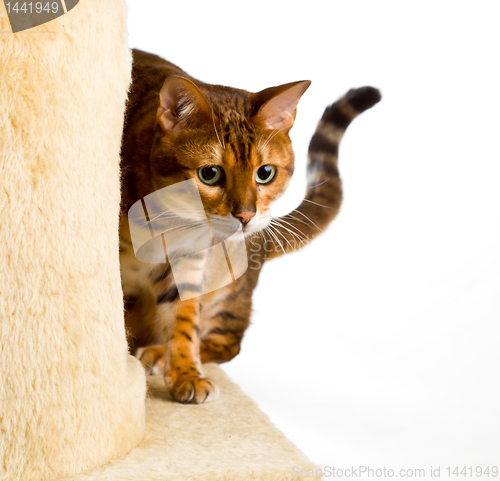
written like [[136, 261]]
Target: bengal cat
[[235, 145]]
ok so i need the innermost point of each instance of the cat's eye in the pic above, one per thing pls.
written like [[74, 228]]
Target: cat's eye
[[210, 175], [265, 174]]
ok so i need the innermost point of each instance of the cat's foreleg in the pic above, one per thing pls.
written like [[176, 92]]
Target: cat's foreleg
[[183, 371]]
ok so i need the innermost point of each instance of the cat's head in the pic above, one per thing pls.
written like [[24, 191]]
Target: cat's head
[[234, 143]]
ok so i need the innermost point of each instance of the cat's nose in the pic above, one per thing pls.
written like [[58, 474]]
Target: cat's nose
[[244, 217]]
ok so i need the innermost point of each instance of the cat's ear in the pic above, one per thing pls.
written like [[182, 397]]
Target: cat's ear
[[276, 107], [181, 101]]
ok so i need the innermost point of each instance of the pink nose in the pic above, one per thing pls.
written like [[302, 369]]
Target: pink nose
[[244, 217]]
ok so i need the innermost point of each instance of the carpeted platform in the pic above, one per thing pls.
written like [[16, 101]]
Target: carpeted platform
[[229, 439]]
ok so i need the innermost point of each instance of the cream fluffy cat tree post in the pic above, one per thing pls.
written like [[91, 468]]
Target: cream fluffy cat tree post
[[71, 398]]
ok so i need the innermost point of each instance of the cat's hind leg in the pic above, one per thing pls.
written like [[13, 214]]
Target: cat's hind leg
[[223, 332], [152, 359], [218, 349]]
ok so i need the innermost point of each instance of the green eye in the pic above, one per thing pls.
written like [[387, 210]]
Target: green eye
[[210, 175], [265, 174]]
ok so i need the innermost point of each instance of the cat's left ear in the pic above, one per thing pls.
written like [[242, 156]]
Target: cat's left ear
[[181, 102], [276, 107]]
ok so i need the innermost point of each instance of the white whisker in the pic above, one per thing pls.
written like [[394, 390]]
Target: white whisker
[[294, 235], [215, 128], [299, 235], [281, 234], [274, 235], [301, 213], [271, 138], [317, 185], [320, 205]]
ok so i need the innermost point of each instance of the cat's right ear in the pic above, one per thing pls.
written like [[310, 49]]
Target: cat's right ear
[[181, 101], [277, 106]]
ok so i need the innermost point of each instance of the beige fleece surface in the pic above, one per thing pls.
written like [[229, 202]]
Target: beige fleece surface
[[229, 439], [71, 398]]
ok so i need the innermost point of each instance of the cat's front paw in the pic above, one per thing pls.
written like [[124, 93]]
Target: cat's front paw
[[195, 391]]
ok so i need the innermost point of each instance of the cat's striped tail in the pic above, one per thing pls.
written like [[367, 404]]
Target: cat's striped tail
[[323, 197]]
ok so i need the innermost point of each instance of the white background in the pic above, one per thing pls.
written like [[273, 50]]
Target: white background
[[379, 343]]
